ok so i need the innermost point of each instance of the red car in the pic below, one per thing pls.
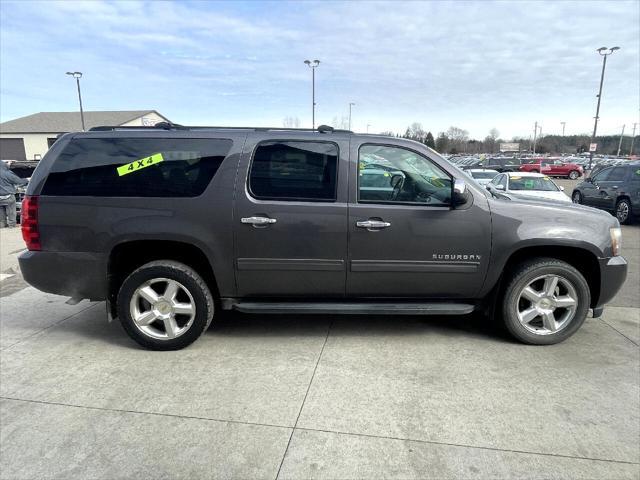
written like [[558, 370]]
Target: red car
[[552, 167]]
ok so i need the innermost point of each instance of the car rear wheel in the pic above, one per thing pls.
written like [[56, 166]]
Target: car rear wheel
[[573, 174], [535, 171], [165, 305], [623, 211], [576, 197], [545, 302]]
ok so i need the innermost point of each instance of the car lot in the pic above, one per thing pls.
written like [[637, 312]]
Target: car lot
[[315, 396]]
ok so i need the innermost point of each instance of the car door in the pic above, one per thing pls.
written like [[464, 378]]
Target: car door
[[591, 189], [608, 192], [290, 216], [413, 243]]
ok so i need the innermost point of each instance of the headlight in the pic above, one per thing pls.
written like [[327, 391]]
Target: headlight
[[616, 240]]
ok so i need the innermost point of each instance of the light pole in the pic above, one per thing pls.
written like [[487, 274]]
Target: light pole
[[620, 142], [78, 76], [603, 52], [535, 136], [351, 104], [633, 138], [564, 124], [368, 125], [313, 65]]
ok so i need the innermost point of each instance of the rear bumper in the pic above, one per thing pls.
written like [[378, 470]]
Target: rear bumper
[[613, 273], [73, 274]]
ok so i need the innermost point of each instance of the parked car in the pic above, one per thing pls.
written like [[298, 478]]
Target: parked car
[[482, 175], [527, 184], [171, 224], [502, 164], [22, 169], [614, 189], [553, 168]]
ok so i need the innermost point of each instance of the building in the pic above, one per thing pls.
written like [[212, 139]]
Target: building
[[28, 138]]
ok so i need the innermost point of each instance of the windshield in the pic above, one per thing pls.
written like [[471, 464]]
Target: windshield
[[532, 183]]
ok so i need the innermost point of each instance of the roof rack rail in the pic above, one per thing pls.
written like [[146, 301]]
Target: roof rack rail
[[175, 126]]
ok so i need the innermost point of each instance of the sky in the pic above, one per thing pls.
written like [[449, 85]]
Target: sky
[[475, 65]]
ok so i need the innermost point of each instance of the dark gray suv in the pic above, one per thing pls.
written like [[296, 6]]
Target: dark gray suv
[[171, 224], [615, 189]]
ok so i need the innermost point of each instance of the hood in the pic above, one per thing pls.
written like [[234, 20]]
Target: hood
[[3, 166]]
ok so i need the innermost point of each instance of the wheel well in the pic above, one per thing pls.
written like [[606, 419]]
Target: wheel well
[[582, 260], [128, 256], [623, 197]]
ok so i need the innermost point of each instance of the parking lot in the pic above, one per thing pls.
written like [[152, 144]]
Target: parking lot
[[315, 396]]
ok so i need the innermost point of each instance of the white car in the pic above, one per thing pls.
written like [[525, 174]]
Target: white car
[[482, 175], [528, 184]]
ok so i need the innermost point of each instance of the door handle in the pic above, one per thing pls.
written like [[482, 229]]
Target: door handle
[[258, 221], [369, 224]]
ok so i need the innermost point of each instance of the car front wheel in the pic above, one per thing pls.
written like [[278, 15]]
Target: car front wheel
[[573, 174], [165, 305], [545, 302], [576, 197], [623, 211]]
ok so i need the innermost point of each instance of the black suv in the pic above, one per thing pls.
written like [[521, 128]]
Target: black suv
[[171, 224], [615, 189]]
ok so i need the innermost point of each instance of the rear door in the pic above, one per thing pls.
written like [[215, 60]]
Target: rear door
[[610, 186], [411, 243], [290, 216]]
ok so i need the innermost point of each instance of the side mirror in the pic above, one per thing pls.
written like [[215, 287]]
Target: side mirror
[[499, 187], [561, 188], [460, 192]]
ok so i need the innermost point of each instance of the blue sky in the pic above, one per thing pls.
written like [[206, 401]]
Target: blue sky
[[475, 65]]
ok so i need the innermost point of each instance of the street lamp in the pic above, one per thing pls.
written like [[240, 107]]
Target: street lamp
[[564, 124], [633, 139], [351, 104], [313, 65], [78, 76], [604, 52]]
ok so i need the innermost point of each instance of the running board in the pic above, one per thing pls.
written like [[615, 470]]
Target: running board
[[356, 308]]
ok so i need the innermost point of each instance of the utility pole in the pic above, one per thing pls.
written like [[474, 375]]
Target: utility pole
[[313, 65], [564, 124], [78, 76], [535, 136], [620, 142], [351, 104], [604, 54], [368, 125], [633, 138]]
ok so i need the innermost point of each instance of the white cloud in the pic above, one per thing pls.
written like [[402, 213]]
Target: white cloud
[[472, 64]]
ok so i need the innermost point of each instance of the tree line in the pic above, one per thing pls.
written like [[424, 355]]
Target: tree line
[[456, 140]]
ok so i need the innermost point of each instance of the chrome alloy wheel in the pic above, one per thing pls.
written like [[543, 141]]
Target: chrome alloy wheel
[[547, 304], [162, 308], [622, 211]]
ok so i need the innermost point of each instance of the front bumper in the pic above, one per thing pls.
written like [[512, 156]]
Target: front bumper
[[613, 273], [73, 274]]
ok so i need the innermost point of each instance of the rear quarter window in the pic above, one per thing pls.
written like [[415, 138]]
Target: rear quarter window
[[121, 167]]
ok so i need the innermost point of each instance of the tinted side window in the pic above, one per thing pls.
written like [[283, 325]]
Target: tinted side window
[[617, 174], [292, 170], [602, 175], [136, 167], [391, 174]]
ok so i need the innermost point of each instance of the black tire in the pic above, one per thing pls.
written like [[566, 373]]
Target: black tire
[[521, 277], [623, 211], [574, 174], [189, 280], [535, 171], [576, 197]]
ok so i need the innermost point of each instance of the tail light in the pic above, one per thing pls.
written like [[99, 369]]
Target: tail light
[[29, 221]]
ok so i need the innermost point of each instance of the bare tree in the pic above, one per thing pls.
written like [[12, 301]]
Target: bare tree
[[291, 122], [494, 133], [341, 123]]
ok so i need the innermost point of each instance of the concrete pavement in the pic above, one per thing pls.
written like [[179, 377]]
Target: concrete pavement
[[316, 397]]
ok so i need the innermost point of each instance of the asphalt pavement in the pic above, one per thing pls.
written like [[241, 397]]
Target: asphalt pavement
[[315, 396]]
